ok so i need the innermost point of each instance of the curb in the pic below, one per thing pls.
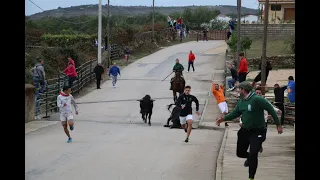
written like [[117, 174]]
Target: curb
[[219, 167]]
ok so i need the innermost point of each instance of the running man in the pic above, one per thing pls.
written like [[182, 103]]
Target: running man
[[64, 101], [251, 109], [191, 59], [218, 92], [266, 116], [185, 102], [113, 73]]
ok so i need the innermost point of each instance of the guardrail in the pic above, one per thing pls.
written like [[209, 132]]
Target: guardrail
[[48, 100]]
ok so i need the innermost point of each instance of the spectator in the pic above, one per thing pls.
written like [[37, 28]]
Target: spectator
[[291, 87], [70, 71], [180, 21], [39, 82], [243, 68], [169, 21], [279, 99], [191, 60], [234, 78], [98, 70], [258, 77]]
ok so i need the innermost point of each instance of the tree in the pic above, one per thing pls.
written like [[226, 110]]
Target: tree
[[245, 43]]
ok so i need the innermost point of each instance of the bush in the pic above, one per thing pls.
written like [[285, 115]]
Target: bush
[[66, 40], [245, 43], [291, 43]]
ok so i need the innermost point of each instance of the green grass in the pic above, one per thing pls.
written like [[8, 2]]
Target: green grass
[[274, 48]]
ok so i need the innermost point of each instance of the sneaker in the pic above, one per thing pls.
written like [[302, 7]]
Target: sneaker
[[187, 140], [71, 128], [187, 71], [37, 117], [185, 130], [246, 163], [69, 140], [228, 90]]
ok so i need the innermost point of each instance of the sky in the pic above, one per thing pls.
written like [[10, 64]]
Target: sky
[[54, 4]]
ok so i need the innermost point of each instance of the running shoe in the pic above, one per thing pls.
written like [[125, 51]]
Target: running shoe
[[69, 140]]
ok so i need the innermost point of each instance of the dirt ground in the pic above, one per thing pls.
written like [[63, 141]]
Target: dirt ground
[[279, 76]]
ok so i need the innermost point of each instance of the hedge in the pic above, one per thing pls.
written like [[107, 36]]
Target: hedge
[[67, 40]]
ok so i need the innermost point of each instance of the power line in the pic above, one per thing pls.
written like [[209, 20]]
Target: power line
[[94, 18]]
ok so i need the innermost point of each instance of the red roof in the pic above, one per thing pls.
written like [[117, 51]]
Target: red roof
[[280, 1]]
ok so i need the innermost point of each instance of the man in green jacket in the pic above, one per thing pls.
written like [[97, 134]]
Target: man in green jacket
[[177, 67], [251, 109]]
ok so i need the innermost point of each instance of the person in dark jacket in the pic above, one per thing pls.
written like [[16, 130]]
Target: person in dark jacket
[[185, 102], [98, 70], [251, 134], [279, 99], [234, 78], [258, 77]]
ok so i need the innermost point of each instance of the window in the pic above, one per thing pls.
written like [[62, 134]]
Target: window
[[275, 7]]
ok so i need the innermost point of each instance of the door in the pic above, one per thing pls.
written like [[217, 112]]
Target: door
[[289, 14]]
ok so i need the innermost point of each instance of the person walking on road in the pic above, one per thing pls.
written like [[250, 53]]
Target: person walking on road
[[191, 59], [251, 109], [98, 70], [64, 101], [39, 82], [243, 68], [185, 102], [218, 92], [234, 78], [113, 73]]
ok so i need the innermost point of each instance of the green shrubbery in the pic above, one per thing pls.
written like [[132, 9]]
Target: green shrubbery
[[245, 43], [67, 40]]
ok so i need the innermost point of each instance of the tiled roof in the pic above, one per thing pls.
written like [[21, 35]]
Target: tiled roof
[[278, 1]]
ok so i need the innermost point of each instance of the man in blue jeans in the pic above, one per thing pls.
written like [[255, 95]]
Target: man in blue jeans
[[39, 83], [113, 73], [234, 78]]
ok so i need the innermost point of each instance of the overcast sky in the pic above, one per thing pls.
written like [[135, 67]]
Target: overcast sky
[[54, 4]]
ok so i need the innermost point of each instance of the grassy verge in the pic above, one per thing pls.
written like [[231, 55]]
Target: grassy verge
[[274, 48]]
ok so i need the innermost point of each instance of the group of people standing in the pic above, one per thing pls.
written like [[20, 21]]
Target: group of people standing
[[181, 28]]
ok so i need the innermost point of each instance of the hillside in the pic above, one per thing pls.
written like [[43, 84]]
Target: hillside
[[92, 10]]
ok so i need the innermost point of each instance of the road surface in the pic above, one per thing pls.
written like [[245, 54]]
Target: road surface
[[110, 141]]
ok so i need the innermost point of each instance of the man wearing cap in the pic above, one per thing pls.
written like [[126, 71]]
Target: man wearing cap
[[251, 109]]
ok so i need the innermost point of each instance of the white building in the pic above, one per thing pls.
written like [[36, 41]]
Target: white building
[[222, 17], [248, 19]]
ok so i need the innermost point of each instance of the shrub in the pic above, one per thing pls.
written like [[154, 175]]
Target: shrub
[[245, 43], [66, 40]]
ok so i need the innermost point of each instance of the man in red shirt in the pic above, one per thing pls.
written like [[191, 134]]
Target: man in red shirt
[[191, 60], [180, 20], [243, 68]]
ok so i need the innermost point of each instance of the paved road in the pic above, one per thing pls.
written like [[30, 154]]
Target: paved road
[[110, 141]]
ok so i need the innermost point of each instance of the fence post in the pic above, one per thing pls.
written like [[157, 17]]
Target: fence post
[[90, 72], [58, 90], [46, 105]]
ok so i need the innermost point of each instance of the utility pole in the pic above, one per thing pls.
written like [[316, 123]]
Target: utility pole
[[264, 46], [99, 30], [238, 31], [153, 40], [108, 35]]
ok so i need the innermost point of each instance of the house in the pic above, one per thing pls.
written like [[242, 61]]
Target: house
[[279, 11], [248, 19], [222, 17]]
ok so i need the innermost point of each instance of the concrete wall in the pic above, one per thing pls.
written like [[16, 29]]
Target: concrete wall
[[29, 102], [275, 31]]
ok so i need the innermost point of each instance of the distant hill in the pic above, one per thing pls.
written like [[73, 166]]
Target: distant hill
[[91, 10]]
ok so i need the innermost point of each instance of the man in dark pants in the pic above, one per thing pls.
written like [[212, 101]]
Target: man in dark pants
[[191, 59], [258, 77], [251, 109], [98, 70], [279, 99]]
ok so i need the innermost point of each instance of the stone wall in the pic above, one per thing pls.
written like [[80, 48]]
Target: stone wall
[[282, 61], [29, 102], [275, 31]]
